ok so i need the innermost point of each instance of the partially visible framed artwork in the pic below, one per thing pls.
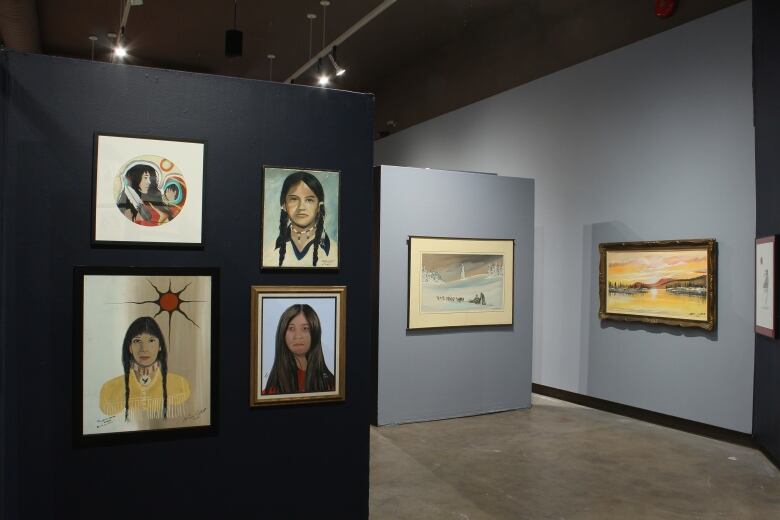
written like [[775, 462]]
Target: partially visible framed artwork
[[670, 282], [147, 191], [145, 351], [460, 282], [300, 212], [765, 285], [298, 338]]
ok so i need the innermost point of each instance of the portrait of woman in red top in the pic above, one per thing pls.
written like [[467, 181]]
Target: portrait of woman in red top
[[299, 364]]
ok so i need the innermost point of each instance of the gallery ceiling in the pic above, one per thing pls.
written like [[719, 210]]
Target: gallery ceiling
[[421, 58]]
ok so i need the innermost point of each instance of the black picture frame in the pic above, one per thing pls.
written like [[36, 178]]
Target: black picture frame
[[80, 273], [97, 190]]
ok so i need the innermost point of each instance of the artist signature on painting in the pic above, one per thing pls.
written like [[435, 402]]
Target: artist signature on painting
[[105, 421], [195, 415]]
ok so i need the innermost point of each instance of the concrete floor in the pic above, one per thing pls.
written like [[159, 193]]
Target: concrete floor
[[563, 461]]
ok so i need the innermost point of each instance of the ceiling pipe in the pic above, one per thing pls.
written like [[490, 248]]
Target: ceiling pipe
[[349, 32], [19, 28]]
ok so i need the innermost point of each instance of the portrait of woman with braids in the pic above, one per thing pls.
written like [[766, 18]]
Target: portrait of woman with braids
[[147, 390], [299, 363], [301, 239]]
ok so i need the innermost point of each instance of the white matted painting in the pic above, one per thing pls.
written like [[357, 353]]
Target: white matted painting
[[460, 282], [148, 191], [765, 285]]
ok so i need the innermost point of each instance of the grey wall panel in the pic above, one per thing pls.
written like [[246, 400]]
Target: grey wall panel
[[652, 141], [452, 372]]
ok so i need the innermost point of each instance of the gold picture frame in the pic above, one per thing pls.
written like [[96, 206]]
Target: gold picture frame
[[298, 344], [460, 282], [669, 282]]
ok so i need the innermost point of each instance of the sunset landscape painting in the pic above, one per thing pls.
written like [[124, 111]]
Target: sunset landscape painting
[[668, 283]]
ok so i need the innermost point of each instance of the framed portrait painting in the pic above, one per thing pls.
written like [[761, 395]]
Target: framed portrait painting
[[297, 352], [147, 191], [300, 212], [145, 350], [460, 282], [670, 282], [765, 285]]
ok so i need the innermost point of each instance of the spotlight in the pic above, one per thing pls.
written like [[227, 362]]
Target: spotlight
[[120, 50], [339, 70], [323, 78]]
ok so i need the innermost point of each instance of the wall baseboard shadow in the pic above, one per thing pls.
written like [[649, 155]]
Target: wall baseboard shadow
[[669, 421]]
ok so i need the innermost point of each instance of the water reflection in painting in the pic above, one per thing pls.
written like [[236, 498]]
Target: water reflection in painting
[[670, 284]]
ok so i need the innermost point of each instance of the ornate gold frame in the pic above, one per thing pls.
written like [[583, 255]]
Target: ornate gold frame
[[709, 245], [291, 291]]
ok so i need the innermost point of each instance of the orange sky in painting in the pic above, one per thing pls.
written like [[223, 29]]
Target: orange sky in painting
[[650, 266]]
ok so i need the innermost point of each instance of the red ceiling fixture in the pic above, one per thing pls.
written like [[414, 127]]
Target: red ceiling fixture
[[664, 8]]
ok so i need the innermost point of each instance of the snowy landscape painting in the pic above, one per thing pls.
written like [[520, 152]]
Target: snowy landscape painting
[[470, 283], [460, 282]]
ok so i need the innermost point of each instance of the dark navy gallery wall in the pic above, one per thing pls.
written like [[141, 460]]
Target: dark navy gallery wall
[[4, 434], [305, 461], [766, 84]]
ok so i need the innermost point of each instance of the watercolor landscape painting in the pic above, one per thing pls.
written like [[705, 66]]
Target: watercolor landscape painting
[[460, 282], [665, 282], [470, 283]]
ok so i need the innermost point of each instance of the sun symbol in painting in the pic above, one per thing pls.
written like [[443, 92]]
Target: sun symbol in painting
[[169, 301]]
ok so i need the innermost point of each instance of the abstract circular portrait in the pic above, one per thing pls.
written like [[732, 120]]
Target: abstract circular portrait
[[150, 190]]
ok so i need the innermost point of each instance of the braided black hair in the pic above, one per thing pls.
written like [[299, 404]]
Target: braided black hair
[[284, 235], [145, 324], [284, 219], [318, 232]]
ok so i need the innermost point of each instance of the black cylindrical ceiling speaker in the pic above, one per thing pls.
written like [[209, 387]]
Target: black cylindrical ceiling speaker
[[234, 42]]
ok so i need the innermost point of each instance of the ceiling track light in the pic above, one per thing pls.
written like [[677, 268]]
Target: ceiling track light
[[322, 79], [120, 50], [338, 41], [339, 70]]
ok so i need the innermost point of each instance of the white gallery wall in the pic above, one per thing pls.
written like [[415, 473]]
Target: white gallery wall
[[652, 141]]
